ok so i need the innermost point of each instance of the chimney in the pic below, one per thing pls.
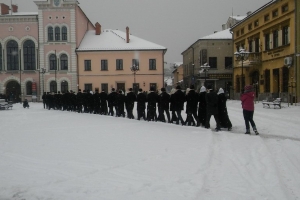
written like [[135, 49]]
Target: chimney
[[4, 9], [14, 8], [127, 35], [98, 28]]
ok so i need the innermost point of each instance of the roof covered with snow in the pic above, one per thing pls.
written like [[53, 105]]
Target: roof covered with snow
[[238, 17], [115, 40], [20, 14], [225, 34]]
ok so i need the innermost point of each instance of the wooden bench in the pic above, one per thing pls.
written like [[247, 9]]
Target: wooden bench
[[5, 105], [276, 102]]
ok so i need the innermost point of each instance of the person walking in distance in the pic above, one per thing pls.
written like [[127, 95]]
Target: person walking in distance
[[179, 97], [212, 107], [247, 99], [141, 104], [202, 106]]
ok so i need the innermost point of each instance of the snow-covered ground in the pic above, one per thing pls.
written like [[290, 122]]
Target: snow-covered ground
[[56, 155]]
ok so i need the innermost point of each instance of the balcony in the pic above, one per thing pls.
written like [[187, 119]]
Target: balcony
[[254, 59]]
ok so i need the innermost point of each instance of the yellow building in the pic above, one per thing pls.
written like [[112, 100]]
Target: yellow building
[[268, 34], [115, 59]]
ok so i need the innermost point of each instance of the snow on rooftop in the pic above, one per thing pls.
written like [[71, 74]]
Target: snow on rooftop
[[115, 40], [20, 14], [239, 18], [225, 34]]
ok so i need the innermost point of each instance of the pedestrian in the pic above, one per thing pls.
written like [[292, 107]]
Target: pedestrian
[[141, 104], [222, 110], [112, 101], [247, 99], [130, 99], [192, 107], [152, 99], [179, 98], [103, 102], [164, 101], [212, 107], [44, 99], [202, 106], [120, 104], [172, 106]]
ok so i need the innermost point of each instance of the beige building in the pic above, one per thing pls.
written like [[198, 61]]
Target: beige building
[[269, 35], [107, 58], [178, 76]]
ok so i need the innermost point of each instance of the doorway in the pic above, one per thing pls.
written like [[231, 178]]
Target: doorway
[[13, 91]]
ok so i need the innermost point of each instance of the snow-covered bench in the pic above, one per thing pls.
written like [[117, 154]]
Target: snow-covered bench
[[276, 102], [5, 105]]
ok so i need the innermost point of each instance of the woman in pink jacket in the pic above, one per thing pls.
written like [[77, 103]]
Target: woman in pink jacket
[[247, 99]]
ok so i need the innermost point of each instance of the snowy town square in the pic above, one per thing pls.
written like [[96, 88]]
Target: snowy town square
[[62, 155]]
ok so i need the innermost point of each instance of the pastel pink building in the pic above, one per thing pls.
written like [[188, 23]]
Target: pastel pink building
[[46, 51]]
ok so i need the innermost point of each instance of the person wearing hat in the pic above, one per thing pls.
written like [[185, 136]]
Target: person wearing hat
[[96, 97], [222, 110], [152, 99], [130, 99], [120, 104], [212, 107], [247, 99], [202, 106], [191, 107], [141, 104], [164, 101], [112, 101], [179, 97], [103, 102], [79, 101]]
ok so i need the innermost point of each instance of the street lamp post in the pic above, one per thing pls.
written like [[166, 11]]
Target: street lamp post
[[242, 55], [43, 70], [204, 68], [134, 68]]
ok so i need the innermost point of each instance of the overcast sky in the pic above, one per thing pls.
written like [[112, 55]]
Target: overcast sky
[[175, 24]]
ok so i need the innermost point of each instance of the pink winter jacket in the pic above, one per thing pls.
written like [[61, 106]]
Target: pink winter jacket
[[248, 101]]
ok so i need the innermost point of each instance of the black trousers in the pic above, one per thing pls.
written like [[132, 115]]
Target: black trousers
[[248, 117], [179, 117], [162, 112], [208, 116]]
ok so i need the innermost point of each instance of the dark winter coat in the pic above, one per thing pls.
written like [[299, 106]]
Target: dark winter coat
[[112, 99], [191, 101], [211, 102], [179, 99], [222, 111], [103, 98], [141, 101], [152, 99], [164, 100], [130, 99]]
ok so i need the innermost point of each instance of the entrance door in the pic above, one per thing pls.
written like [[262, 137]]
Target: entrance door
[[13, 91], [276, 83]]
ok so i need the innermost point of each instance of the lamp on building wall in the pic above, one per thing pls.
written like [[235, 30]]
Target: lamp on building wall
[[242, 55], [204, 68]]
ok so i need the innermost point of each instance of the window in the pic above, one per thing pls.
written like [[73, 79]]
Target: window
[[57, 34], [256, 23], [284, 8], [250, 27], [104, 65], [50, 33], [256, 41], [64, 33], [267, 42], [64, 62], [1, 57], [250, 45], [104, 87], [213, 62], [267, 80], [285, 35], [119, 64], [87, 65], [237, 33], [29, 88], [228, 62], [29, 55], [135, 62], [53, 62], [88, 86], [285, 79], [242, 31], [267, 17], [275, 39], [64, 86], [152, 64], [53, 86], [12, 55], [275, 13]]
